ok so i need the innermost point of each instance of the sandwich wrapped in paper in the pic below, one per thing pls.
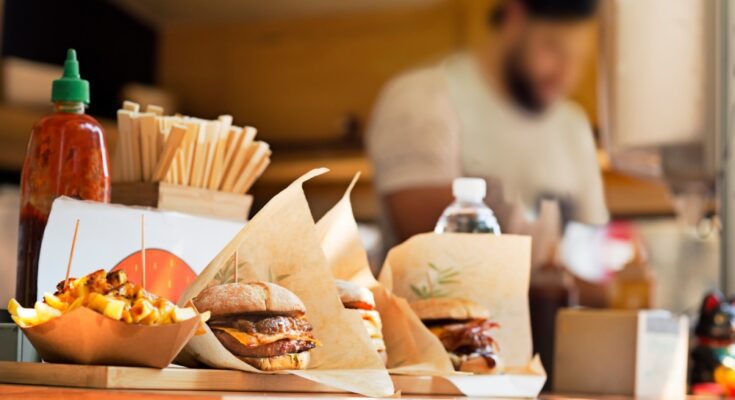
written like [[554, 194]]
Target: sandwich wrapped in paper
[[410, 347], [280, 246], [261, 323], [464, 284]]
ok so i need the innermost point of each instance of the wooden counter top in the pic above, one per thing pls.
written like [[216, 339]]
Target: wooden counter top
[[23, 392]]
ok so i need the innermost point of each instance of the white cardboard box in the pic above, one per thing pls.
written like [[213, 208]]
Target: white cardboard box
[[630, 353]]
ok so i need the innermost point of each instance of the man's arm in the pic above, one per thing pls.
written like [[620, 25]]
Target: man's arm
[[413, 142], [416, 210]]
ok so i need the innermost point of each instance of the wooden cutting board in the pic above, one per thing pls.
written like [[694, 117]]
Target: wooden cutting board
[[179, 378]]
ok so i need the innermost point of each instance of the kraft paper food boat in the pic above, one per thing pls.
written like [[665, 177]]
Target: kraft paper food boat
[[83, 336]]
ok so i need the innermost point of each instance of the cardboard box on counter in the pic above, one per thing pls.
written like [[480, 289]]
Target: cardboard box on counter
[[630, 353]]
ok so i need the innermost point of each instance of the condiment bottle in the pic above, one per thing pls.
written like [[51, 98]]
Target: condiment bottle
[[633, 286], [66, 156], [552, 288], [468, 213]]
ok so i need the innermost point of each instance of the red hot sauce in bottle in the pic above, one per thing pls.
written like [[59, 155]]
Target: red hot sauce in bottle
[[66, 156]]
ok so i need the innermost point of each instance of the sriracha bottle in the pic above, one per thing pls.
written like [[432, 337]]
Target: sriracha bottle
[[66, 156]]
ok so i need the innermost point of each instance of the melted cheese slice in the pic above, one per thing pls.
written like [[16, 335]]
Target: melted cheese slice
[[257, 339]]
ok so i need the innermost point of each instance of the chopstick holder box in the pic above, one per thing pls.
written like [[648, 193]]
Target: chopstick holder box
[[185, 199]]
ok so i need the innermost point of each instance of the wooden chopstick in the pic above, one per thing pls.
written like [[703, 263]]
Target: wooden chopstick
[[187, 151], [264, 163], [147, 123], [215, 161], [240, 158], [235, 137], [199, 156], [259, 151], [175, 137], [124, 128]]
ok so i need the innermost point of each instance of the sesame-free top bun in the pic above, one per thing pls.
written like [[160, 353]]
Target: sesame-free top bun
[[251, 297], [449, 308], [350, 293]]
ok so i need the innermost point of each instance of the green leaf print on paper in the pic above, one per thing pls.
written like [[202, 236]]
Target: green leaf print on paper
[[436, 281]]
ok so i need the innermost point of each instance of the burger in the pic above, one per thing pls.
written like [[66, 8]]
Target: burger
[[360, 299], [465, 331], [261, 323]]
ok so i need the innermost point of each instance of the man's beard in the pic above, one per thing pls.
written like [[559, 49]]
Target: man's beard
[[520, 87]]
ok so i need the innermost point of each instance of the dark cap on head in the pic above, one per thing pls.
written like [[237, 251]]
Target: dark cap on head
[[548, 9]]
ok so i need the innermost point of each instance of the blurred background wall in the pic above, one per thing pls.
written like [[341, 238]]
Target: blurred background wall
[[305, 73]]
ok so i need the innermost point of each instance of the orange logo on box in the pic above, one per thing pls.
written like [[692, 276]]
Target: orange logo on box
[[167, 275]]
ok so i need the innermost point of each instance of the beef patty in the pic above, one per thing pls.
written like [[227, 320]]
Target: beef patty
[[265, 324], [278, 348]]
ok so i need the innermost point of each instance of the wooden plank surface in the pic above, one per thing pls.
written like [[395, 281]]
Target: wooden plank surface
[[26, 392], [179, 378], [175, 378], [40, 380]]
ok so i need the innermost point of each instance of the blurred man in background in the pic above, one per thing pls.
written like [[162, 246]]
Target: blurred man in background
[[497, 112]]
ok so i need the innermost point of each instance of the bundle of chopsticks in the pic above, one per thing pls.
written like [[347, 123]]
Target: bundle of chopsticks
[[215, 155]]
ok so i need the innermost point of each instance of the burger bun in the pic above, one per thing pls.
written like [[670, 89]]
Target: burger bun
[[279, 363], [350, 293], [449, 308], [251, 297]]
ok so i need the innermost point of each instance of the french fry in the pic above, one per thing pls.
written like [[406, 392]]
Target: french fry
[[19, 321], [182, 314], [45, 312], [166, 311], [205, 316], [55, 302], [28, 316], [126, 317], [13, 307], [114, 308], [140, 310], [76, 304], [109, 294], [96, 302], [152, 318]]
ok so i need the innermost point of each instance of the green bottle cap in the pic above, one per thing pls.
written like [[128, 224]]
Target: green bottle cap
[[70, 87]]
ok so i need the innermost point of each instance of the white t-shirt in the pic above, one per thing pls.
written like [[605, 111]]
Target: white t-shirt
[[432, 125]]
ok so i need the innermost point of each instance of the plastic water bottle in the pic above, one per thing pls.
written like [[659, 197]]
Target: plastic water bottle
[[468, 213]]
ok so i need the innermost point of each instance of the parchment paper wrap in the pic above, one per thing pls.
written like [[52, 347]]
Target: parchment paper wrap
[[411, 348], [491, 270], [280, 244]]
